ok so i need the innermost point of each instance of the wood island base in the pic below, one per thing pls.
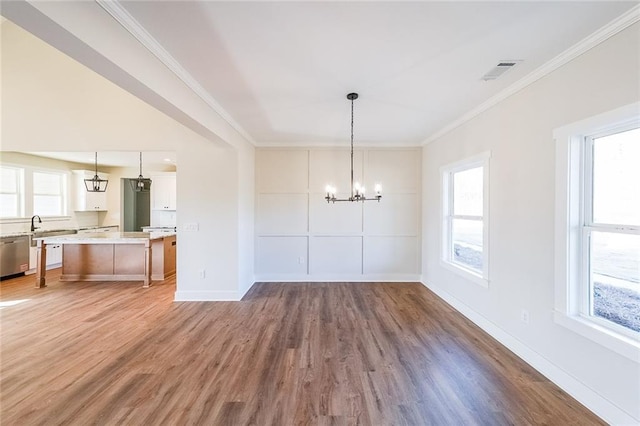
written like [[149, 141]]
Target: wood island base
[[140, 259], [107, 262]]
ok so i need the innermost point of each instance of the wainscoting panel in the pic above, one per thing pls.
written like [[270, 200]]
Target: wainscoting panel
[[299, 236]]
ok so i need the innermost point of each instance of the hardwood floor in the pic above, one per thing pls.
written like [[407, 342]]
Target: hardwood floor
[[288, 354]]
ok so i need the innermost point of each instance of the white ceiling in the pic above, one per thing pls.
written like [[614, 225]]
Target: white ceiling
[[115, 158], [279, 71], [282, 70]]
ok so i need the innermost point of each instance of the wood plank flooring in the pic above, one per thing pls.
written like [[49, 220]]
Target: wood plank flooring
[[288, 354]]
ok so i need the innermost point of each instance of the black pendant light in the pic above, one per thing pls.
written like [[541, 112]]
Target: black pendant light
[[141, 184], [96, 184], [357, 191]]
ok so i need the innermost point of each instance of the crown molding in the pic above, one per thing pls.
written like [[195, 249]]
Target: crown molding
[[336, 145], [612, 28], [129, 23]]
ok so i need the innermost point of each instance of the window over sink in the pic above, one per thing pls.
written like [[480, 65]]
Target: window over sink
[[49, 193], [11, 191]]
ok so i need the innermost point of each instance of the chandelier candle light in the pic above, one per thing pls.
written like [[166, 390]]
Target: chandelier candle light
[[357, 191]]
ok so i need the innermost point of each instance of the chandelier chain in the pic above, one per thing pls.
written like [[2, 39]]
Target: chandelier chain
[[351, 148], [357, 191]]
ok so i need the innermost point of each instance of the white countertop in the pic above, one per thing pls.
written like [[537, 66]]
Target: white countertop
[[106, 238], [71, 230], [16, 234]]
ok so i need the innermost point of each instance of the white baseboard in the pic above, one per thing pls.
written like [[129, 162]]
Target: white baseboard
[[338, 278], [578, 390], [243, 292], [206, 296]]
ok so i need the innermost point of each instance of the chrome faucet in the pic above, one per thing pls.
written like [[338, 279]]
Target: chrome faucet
[[33, 227]]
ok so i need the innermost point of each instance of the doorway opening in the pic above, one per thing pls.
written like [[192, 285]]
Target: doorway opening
[[136, 207]]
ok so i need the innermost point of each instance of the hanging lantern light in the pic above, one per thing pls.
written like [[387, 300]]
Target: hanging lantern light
[[96, 184], [141, 184]]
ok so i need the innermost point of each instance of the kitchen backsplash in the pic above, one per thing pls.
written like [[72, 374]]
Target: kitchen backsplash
[[163, 218]]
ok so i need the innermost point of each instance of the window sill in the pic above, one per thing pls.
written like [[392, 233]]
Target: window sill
[[465, 273], [28, 219], [623, 345]]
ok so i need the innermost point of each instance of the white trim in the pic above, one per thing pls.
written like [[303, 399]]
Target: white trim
[[465, 273], [614, 229], [337, 144], [578, 390], [619, 117], [612, 28], [571, 192], [447, 217], [129, 23], [618, 343], [23, 219], [466, 163], [206, 296], [338, 278]]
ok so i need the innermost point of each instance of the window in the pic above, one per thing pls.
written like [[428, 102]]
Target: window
[[464, 225], [11, 192], [611, 229], [598, 229], [49, 193]]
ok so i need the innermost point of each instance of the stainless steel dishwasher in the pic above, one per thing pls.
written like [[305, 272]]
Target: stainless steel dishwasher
[[14, 255]]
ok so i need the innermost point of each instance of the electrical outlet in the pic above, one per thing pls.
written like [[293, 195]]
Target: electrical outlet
[[524, 316], [203, 274], [301, 260]]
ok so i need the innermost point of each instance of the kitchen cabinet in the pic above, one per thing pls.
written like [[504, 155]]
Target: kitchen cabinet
[[84, 200], [163, 191], [54, 256]]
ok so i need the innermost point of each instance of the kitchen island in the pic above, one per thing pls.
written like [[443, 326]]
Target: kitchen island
[[111, 256]]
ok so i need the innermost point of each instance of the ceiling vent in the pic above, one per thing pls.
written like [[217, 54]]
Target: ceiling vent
[[499, 69]]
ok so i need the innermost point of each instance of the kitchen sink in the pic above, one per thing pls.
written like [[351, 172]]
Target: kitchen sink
[[55, 233]]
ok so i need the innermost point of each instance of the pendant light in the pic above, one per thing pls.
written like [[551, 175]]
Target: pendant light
[[141, 184], [96, 184], [357, 190]]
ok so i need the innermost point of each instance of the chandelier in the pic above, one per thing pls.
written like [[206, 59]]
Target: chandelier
[[357, 190], [95, 184], [141, 184]]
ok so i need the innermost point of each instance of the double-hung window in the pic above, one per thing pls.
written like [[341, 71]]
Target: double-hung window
[[465, 225], [49, 193], [611, 229], [11, 192], [598, 229]]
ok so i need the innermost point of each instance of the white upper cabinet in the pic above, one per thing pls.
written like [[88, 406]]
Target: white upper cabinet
[[163, 191], [85, 201]]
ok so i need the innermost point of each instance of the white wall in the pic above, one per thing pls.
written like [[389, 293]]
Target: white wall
[[246, 208], [52, 103], [518, 132], [299, 236]]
